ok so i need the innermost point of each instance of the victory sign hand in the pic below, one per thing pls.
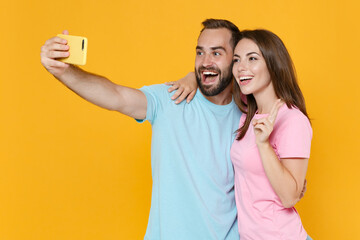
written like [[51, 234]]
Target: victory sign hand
[[263, 127]]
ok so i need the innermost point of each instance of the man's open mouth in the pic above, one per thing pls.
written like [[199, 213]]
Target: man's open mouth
[[209, 76]]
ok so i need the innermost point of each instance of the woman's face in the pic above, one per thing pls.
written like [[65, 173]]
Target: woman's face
[[249, 69]]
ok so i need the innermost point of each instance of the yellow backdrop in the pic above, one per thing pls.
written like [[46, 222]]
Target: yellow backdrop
[[70, 170]]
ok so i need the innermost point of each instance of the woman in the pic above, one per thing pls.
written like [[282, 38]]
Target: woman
[[270, 156], [271, 153]]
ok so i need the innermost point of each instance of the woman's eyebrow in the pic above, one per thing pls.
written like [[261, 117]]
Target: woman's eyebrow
[[252, 53]]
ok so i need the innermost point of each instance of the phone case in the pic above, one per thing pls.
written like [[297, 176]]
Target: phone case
[[78, 49]]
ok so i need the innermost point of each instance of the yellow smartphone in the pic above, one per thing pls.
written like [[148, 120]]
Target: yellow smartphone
[[78, 49]]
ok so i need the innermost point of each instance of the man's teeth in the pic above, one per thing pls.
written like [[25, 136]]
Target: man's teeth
[[210, 73]]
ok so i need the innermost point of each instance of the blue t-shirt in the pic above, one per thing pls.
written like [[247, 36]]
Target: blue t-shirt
[[193, 178]]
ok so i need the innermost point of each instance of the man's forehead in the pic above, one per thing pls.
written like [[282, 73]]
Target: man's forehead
[[215, 37]]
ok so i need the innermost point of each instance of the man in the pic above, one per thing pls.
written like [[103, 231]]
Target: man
[[193, 179]]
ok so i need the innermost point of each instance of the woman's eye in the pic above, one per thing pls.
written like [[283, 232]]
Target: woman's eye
[[252, 58], [236, 60]]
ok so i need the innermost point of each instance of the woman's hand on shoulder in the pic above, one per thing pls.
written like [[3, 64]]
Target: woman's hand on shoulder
[[185, 88]]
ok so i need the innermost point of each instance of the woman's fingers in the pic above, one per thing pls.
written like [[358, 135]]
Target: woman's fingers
[[274, 110], [191, 96], [173, 86], [263, 127], [264, 121], [169, 83], [179, 91], [260, 127]]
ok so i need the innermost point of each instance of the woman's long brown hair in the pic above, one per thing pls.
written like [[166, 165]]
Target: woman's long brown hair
[[282, 74]]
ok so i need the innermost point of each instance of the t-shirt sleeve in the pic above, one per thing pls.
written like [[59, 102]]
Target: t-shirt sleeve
[[293, 136], [154, 96]]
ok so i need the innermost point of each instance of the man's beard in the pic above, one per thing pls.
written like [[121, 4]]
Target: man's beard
[[224, 81]]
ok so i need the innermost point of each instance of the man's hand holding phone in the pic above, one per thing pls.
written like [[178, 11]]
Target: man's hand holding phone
[[51, 51], [60, 51]]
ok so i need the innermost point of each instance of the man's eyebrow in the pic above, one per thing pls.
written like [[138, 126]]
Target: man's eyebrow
[[212, 48], [218, 47]]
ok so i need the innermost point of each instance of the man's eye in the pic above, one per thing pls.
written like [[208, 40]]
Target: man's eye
[[199, 53], [216, 53]]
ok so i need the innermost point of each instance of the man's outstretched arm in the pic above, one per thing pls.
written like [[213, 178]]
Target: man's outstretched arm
[[94, 88]]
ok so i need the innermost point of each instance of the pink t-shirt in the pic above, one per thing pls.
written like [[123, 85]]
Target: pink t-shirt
[[261, 214]]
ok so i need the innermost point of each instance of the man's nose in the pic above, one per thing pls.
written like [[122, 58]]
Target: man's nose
[[208, 60]]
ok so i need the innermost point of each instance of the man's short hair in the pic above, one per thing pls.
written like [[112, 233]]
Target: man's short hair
[[221, 23]]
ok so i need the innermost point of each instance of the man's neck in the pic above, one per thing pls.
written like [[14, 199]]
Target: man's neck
[[222, 98]]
